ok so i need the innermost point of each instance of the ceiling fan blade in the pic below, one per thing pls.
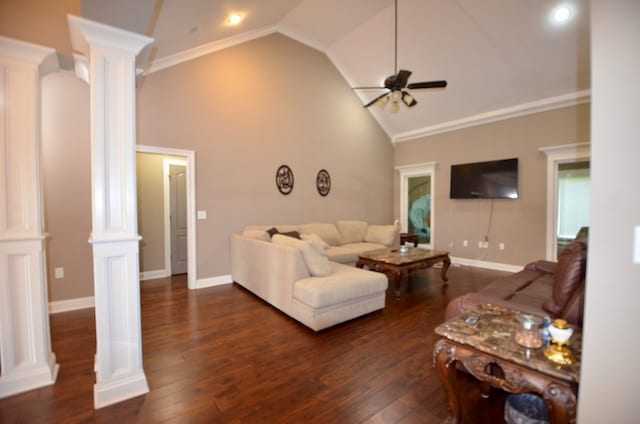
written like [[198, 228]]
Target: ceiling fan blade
[[402, 78], [427, 84], [376, 99], [369, 88], [408, 99]]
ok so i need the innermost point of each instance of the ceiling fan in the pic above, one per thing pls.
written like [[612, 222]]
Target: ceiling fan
[[397, 84]]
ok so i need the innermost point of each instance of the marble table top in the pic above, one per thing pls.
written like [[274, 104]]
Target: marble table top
[[494, 333], [396, 257]]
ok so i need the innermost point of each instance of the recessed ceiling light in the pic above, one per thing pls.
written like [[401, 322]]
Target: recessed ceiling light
[[235, 18], [561, 14]]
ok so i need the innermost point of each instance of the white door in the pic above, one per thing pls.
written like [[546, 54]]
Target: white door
[[178, 218]]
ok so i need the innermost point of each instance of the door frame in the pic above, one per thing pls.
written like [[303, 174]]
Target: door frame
[[417, 170], [557, 155], [190, 162]]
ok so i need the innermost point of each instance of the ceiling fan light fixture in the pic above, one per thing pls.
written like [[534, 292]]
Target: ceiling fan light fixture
[[408, 99], [395, 107], [383, 102]]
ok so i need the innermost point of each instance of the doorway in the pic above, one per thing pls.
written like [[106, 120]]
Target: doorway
[[175, 196], [567, 194]]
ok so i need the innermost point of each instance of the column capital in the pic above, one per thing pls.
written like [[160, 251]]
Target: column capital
[[86, 33], [40, 57]]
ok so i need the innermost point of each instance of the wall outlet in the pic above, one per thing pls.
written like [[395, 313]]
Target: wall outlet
[[58, 273], [480, 244], [465, 243], [485, 244], [201, 215], [501, 246]]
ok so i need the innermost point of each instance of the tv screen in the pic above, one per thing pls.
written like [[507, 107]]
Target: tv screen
[[497, 179]]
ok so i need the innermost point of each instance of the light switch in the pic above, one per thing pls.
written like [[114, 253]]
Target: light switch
[[58, 273], [202, 214], [636, 245]]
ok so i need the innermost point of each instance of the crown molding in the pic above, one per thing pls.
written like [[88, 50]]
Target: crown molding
[[550, 103], [208, 48]]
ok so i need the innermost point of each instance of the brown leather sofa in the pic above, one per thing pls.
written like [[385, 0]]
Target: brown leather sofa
[[542, 288]]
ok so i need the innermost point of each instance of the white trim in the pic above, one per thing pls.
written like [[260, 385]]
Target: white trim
[[191, 205], [550, 103], [214, 281], [486, 264], [555, 156], [119, 390], [78, 303], [166, 163], [417, 170], [205, 49], [158, 273]]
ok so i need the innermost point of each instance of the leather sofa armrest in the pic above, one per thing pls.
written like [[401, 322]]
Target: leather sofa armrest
[[543, 266]]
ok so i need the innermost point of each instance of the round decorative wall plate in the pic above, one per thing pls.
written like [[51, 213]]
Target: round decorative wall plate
[[323, 182], [284, 179]]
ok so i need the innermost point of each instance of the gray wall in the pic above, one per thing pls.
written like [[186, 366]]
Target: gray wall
[[520, 224], [244, 111], [66, 174], [247, 110]]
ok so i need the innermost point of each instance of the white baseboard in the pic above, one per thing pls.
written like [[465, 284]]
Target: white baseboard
[[486, 264], [213, 281], [71, 304], [158, 273]]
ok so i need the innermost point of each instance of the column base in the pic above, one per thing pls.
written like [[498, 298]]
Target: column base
[[117, 391], [29, 378]]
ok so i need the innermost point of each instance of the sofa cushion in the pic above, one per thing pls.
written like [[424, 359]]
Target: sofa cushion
[[344, 284], [315, 240], [316, 261], [382, 234], [348, 253], [352, 231], [257, 234], [570, 272], [327, 232]]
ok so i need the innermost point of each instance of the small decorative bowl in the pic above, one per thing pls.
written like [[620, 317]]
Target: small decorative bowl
[[404, 248]]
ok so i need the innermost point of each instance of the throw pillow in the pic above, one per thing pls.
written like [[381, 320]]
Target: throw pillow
[[352, 231], [272, 231], [569, 274], [382, 234], [293, 234], [256, 234], [315, 240], [317, 262]]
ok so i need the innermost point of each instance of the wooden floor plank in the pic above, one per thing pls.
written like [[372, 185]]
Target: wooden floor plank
[[221, 355]]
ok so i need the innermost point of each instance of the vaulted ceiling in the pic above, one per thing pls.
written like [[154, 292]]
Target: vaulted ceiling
[[500, 57]]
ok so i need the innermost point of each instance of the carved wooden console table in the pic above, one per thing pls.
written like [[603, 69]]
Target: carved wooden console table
[[393, 263], [488, 351]]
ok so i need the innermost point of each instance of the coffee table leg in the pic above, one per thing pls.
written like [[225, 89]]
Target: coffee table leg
[[397, 282], [446, 262]]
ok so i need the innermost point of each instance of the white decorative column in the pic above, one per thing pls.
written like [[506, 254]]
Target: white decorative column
[[112, 53], [26, 358]]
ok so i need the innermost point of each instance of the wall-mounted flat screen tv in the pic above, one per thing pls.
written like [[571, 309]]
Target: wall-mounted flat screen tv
[[496, 179]]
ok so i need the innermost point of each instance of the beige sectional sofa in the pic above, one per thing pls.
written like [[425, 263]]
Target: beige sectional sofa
[[313, 279]]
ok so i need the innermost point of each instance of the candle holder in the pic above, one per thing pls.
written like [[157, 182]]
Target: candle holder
[[558, 352]]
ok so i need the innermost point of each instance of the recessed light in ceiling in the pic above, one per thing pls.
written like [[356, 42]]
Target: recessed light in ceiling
[[561, 14], [235, 18]]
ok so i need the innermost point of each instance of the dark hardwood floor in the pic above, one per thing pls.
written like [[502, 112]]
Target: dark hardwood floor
[[222, 355]]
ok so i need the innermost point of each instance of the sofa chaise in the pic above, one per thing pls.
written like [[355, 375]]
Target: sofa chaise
[[312, 279]]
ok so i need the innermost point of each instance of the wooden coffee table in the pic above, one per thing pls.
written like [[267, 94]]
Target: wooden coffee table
[[394, 264]]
